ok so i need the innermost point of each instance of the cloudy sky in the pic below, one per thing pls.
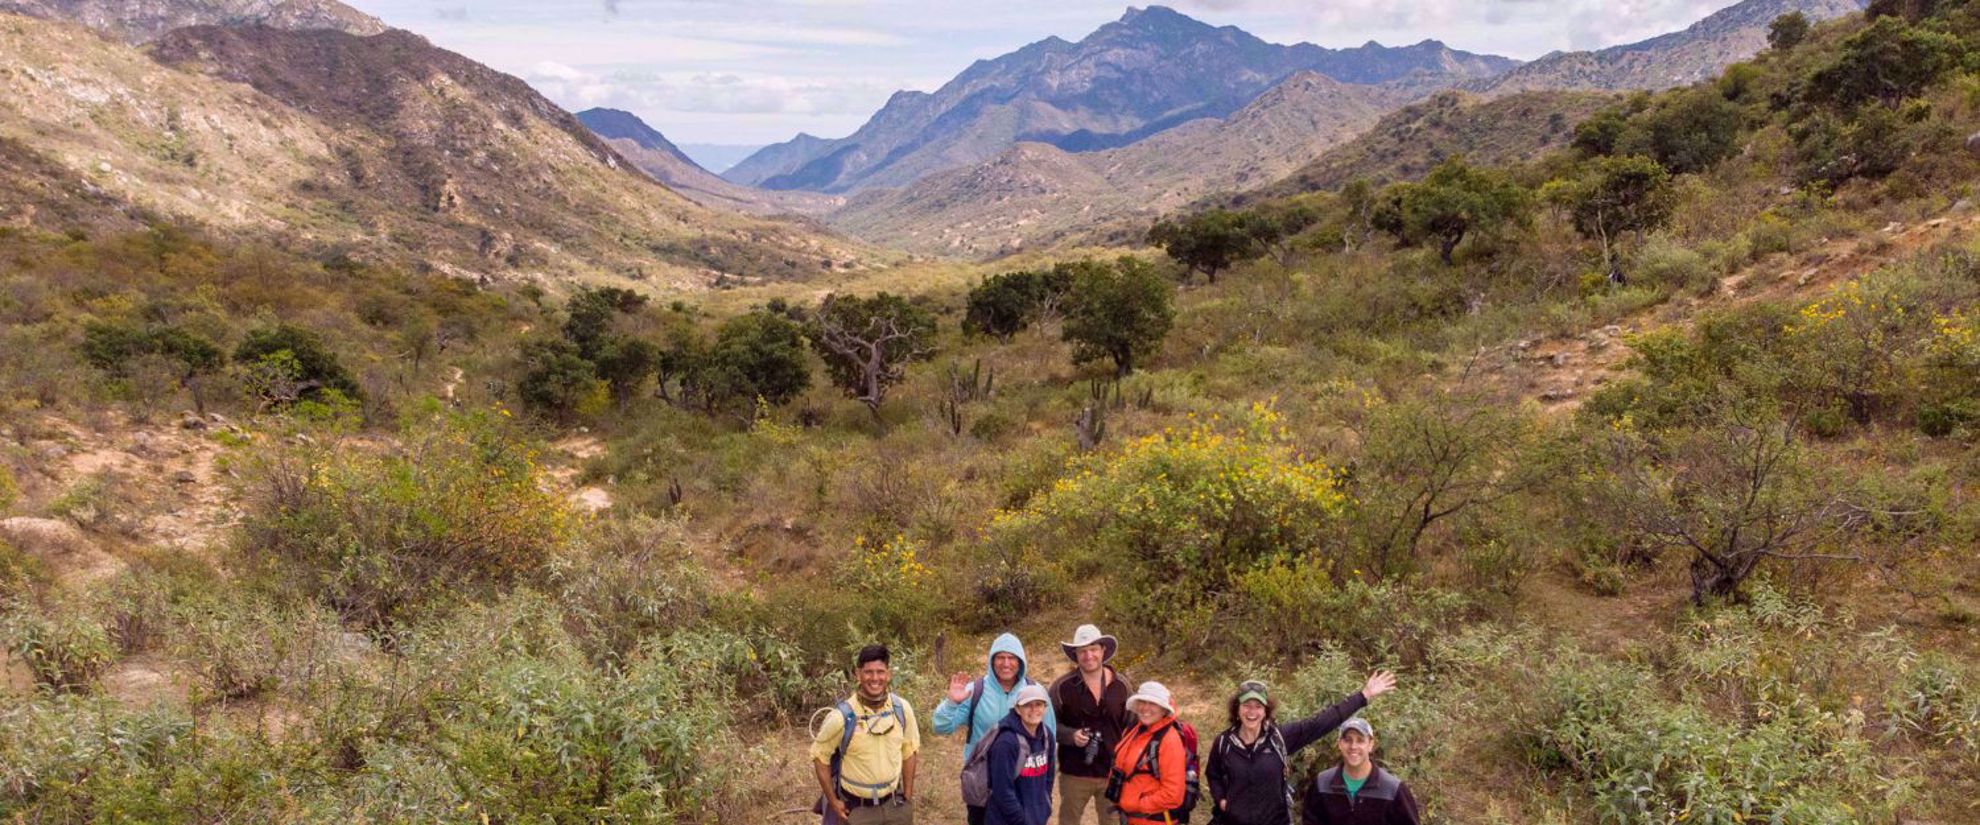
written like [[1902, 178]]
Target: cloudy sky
[[760, 71]]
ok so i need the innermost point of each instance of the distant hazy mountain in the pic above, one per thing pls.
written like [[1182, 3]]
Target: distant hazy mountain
[[1698, 52], [719, 157], [144, 20], [1035, 193], [1152, 70], [654, 154]]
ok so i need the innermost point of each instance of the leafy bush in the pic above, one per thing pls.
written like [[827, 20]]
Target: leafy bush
[[460, 510], [1178, 516], [1935, 699], [1886, 62], [558, 380], [1644, 759], [1663, 263], [240, 647], [65, 649], [634, 581], [292, 364]]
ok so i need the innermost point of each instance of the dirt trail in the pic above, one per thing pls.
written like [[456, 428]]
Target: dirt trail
[[1559, 373]]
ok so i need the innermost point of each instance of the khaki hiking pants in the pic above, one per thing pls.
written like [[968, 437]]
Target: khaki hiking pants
[[889, 814], [1075, 792]]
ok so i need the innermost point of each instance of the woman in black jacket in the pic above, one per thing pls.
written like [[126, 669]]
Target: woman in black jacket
[[1247, 769]]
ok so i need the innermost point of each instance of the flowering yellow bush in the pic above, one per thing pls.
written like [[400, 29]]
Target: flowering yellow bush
[[1177, 516], [1849, 345]]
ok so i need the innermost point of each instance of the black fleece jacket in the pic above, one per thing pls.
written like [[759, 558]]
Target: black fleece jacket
[[1248, 782]]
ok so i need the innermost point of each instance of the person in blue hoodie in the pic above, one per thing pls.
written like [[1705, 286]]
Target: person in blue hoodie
[[1021, 790], [979, 705]]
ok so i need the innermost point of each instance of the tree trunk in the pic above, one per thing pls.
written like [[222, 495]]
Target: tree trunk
[[1449, 246]]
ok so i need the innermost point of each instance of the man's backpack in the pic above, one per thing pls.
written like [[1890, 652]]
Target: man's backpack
[[976, 767], [1151, 763], [850, 718]]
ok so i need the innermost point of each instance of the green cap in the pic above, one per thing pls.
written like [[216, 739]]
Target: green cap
[[1253, 691]]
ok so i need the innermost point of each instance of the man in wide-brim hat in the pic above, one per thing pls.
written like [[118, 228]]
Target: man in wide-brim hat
[[1091, 706]]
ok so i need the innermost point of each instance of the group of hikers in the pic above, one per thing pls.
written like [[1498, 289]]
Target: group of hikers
[[1126, 755]]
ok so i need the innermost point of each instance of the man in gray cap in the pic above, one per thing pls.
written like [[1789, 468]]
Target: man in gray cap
[[1357, 791], [1091, 705]]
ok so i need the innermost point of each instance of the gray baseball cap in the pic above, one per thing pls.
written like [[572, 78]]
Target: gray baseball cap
[[1358, 725]]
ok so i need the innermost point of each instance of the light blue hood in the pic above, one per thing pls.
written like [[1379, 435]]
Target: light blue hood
[[996, 702]]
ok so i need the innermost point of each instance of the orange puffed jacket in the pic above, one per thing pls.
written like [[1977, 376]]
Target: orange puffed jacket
[[1143, 797]]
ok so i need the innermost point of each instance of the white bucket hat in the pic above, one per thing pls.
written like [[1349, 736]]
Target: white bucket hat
[[1155, 694], [1088, 634]]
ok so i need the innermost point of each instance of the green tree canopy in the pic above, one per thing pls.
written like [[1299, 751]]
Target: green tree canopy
[[1209, 242], [1454, 201], [1886, 62], [1119, 310], [1619, 195], [1787, 31], [315, 368], [867, 343], [556, 380], [755, 355], [1008, 302]]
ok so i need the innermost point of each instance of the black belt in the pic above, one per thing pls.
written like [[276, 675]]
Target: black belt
[[862, 802]]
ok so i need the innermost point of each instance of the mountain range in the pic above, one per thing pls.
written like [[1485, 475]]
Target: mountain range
[[1298, 135], [654, 154], [1698, 52], [1037, 192], [1150, 71], [141, 21], [381, 145]]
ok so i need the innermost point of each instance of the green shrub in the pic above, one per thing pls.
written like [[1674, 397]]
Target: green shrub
[[459, 511], [289, 364], [1177, 516], [140, 605], [10, 490], [634, 581], [1666, 264], [240, 647], [1640, 758], [20, 575], [1935, 699], [66, 650]]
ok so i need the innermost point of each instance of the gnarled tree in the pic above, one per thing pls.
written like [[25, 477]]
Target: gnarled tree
[[867, 343]]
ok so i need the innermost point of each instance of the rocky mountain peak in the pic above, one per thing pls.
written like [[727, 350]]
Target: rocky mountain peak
[[142, 21]]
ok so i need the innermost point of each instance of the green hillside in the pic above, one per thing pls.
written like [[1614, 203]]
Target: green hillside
[[1648, 461]]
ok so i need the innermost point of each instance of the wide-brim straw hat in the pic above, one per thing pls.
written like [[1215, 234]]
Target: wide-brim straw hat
[[1088, 634]]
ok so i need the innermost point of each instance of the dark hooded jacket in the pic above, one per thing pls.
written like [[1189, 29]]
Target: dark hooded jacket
[[1383, 800], [1020, 794], [1252, 778]]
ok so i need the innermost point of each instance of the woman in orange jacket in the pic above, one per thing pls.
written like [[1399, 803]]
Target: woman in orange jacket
[[1155, 784]]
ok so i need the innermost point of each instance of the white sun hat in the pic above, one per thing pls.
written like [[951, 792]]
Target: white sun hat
[[1153, 693], [1089, 635]]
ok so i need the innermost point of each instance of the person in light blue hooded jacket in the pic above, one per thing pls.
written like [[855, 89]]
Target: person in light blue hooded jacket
[[979, 705]]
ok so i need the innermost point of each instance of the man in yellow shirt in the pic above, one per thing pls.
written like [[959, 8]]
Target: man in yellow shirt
[[867, 774]]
